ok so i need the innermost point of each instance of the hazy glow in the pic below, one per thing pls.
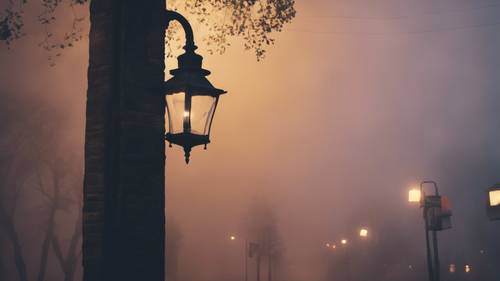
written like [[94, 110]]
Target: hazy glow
[[343, 241], [363, 232], [452, 268], [232, 237], [186, 113], [495, 198], [468, 268], [328, 245], [414, 196]]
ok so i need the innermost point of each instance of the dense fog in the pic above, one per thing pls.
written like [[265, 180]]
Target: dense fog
[[355, 103]]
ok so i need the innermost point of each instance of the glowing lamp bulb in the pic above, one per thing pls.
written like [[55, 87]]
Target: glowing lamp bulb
[[232, 237], [414, 196], [186, 114], [363, 232], [467, 268], [343, 241], [494, 198]]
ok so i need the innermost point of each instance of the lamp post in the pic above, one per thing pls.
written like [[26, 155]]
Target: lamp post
[[191, 100], [437, 217], [493, 207], [233, 238]]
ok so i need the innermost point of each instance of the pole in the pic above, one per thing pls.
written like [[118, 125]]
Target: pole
[[436, 256], [429, 256], [258, 265], [269, 270], [246, 259]]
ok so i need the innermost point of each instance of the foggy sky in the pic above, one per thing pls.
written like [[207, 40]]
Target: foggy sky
[[357, 101]]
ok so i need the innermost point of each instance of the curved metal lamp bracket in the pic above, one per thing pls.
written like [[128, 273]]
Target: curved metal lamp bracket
[[188, 30], [436, 191]]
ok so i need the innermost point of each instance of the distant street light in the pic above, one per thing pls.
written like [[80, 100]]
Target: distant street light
[[363, 233], [467, 268], [415, 196], [452, 268], [246, 254], [493, 208], [343, 241], [191, 100], [437, 217]]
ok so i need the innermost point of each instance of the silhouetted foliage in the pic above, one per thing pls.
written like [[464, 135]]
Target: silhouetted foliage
[[251, 20]]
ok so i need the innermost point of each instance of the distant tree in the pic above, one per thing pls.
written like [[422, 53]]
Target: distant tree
[[34, 166], [264, 231]]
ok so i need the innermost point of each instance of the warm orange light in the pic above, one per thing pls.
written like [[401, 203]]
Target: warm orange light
[[334, 246], [468, 268], [232, 237], [414, 196], [327, 245], [343, 241], [186, 113], [494, 198], [363, 232]]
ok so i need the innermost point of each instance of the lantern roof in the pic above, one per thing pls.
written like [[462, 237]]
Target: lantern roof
[[190, 77]]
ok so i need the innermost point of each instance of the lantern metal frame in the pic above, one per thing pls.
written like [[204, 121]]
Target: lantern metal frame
[[189, 78]]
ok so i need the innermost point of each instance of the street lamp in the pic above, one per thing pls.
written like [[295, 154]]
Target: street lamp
[[437, 217], [246, 254], [415, 196], [493, 208], [343, 241], [363, 233], [191, 100]]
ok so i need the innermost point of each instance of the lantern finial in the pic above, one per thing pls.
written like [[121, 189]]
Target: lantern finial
[[187, 153]]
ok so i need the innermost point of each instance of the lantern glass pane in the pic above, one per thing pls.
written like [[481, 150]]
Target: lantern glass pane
[[202, 110], [175, 111], [495, 198]]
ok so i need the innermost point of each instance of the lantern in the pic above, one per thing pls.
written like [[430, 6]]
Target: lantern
[[191, 103], [493, 207]]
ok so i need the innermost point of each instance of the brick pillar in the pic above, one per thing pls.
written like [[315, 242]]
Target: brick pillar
[[124, 219]]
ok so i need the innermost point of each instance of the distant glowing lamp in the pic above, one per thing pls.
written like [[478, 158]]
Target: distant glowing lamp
[[363, 233], [343, 241], [191, 100], [415, 196], [232, 237], [452, 268], [493, 208], [467, 268]]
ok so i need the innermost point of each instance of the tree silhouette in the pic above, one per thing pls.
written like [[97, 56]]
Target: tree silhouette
[[251, 20], [33, 168], [264, 230]]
